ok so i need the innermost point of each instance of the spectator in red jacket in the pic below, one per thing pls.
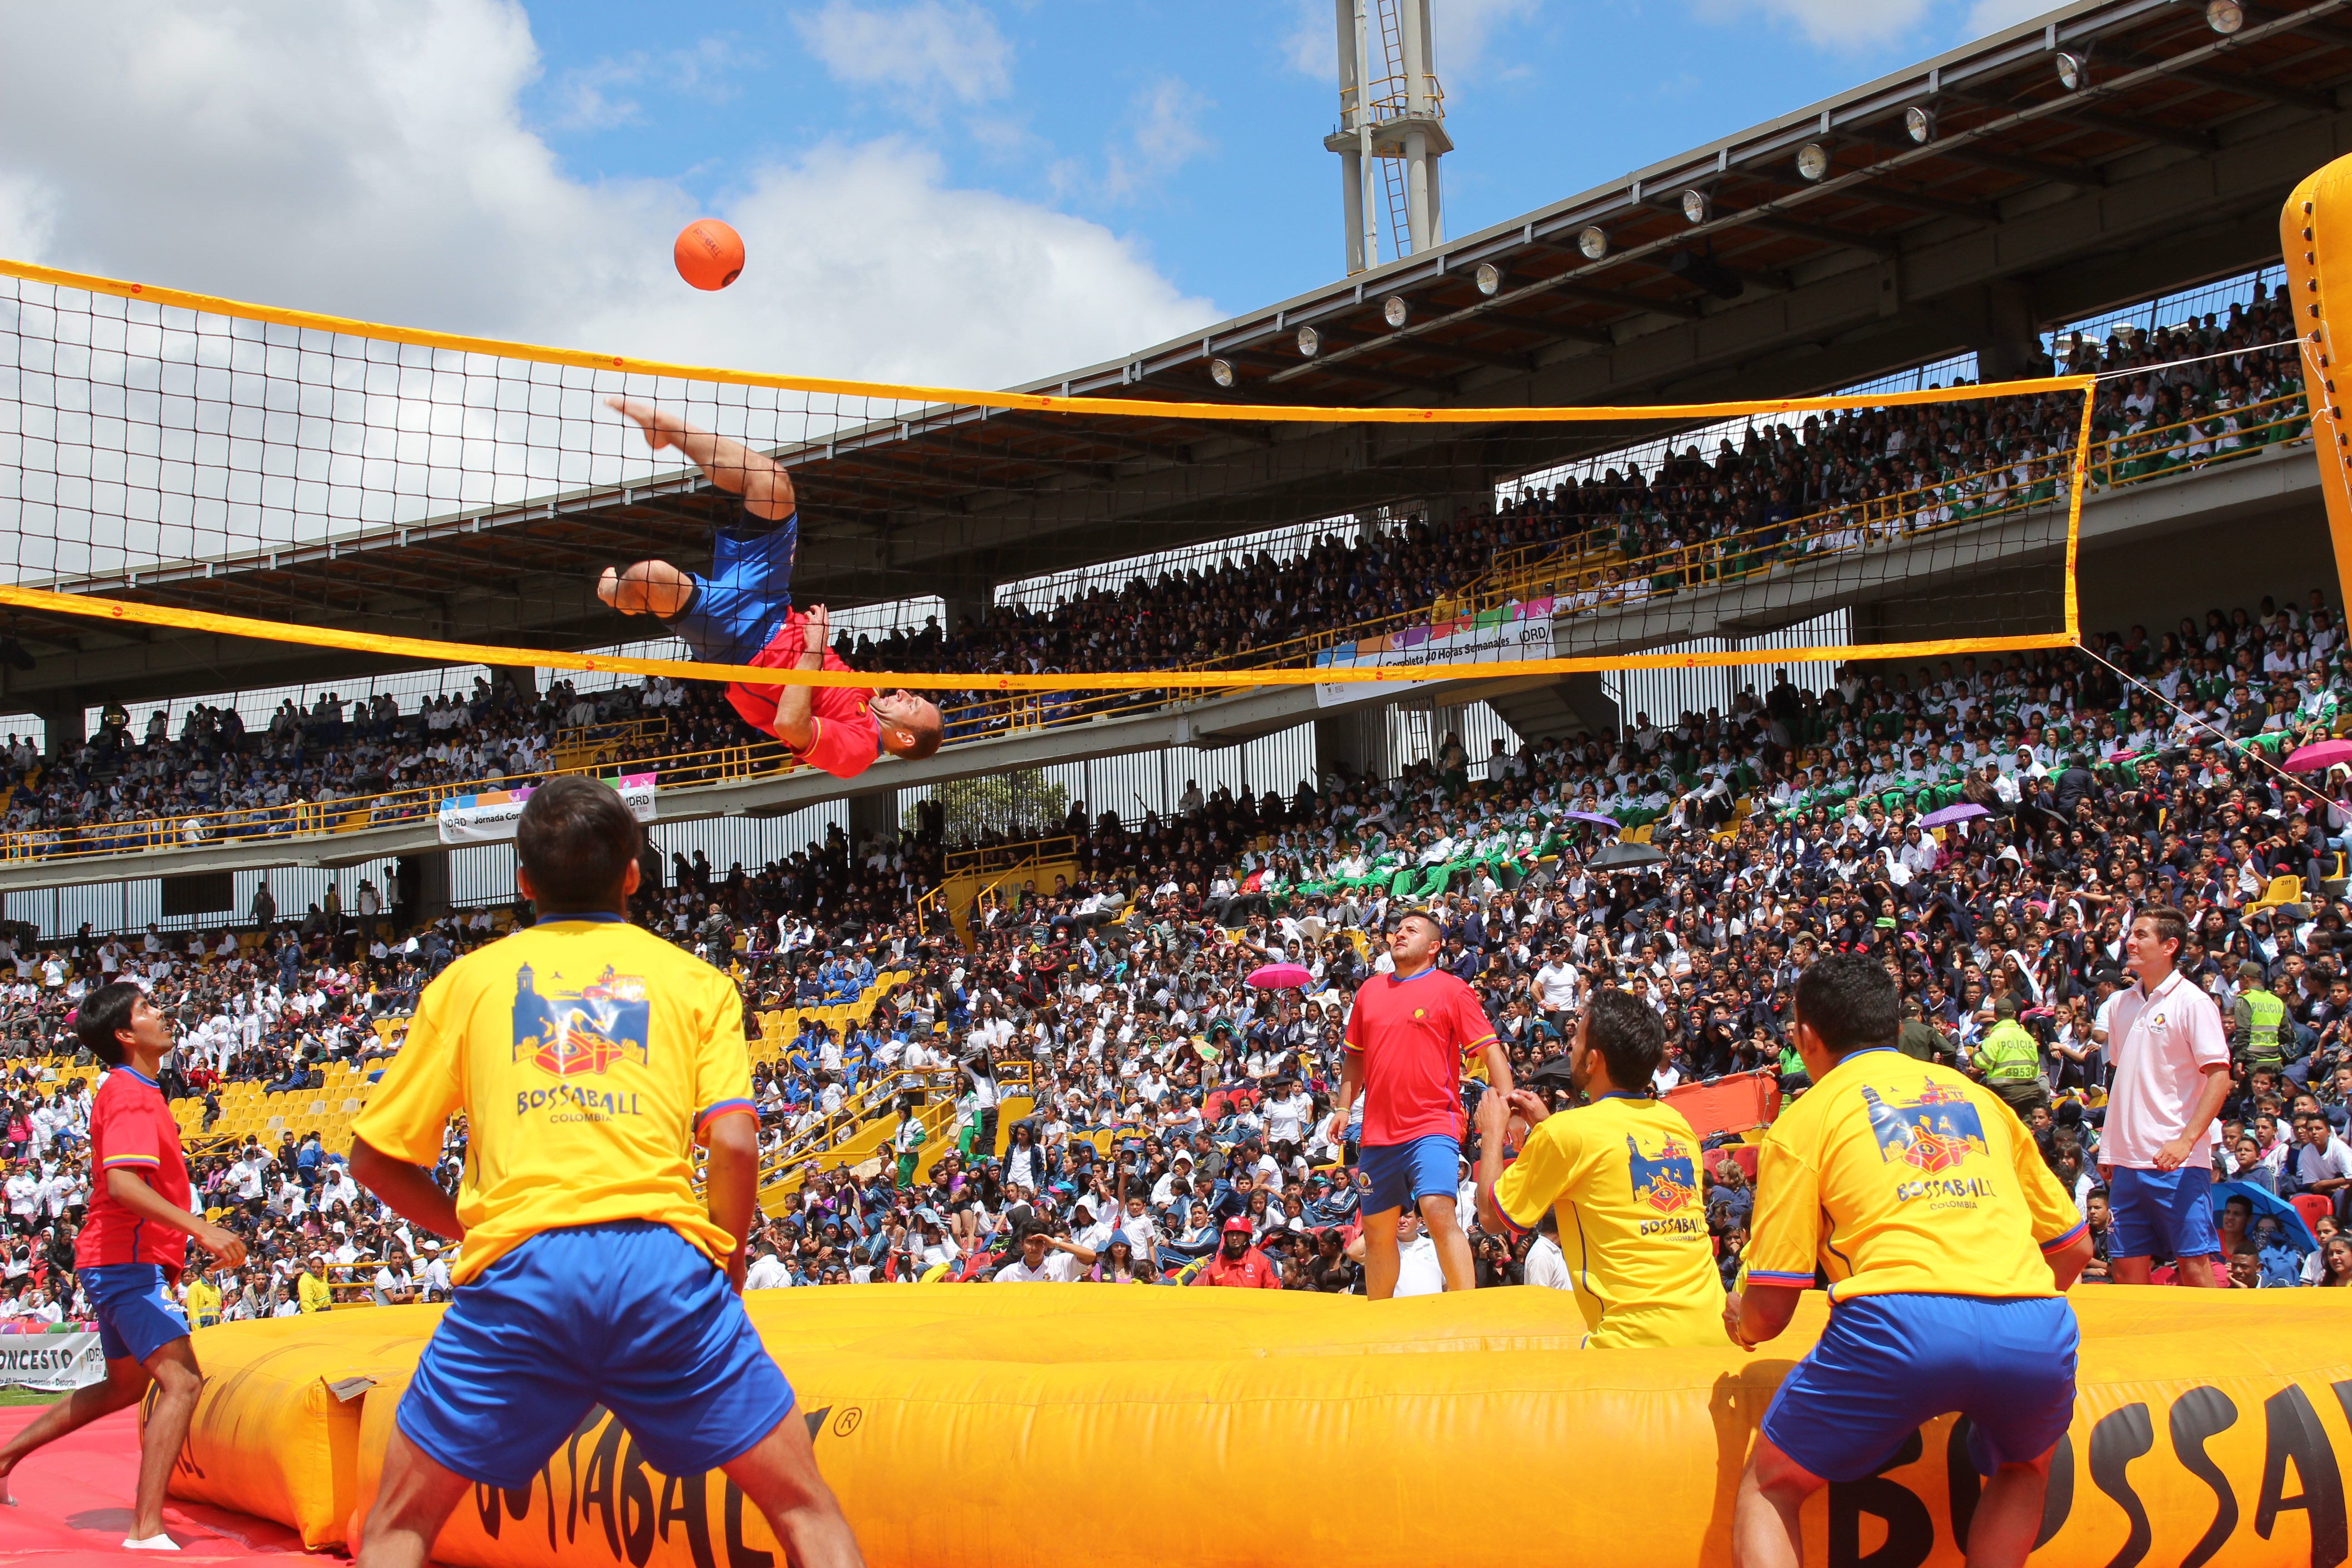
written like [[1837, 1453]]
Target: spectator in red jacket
[[1236, 1262]]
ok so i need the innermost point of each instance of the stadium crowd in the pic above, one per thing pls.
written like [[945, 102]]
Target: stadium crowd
[[1164, 1105]]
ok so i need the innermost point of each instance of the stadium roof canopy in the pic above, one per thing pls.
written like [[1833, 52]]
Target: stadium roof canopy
[[2029, 203]]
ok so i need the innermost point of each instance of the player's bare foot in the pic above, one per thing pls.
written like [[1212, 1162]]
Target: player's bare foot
[[647, 588], [662, 428]]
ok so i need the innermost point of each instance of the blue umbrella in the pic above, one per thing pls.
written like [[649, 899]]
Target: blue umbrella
[[2290, 1218]]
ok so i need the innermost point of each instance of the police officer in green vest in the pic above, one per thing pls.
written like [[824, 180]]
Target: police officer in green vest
[[2009, 1061], [2258, 1022]]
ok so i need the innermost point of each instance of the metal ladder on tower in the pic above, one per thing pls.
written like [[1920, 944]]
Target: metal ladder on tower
[[1389, 101]]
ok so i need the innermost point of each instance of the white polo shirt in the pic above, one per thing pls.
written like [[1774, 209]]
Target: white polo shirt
[[2160, 1043], [1058, 1268]]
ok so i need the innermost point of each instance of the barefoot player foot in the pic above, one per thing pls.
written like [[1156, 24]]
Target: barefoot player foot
[[647, 588]]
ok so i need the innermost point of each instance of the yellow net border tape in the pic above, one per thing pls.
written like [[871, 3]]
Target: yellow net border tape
[[101, 608]]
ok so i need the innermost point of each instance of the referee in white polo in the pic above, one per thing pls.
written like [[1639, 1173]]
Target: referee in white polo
[[2172, 1072]]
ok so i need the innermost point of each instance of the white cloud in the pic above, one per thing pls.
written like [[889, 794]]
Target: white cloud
[[27, 215], [1461, 31], [1989, 17], [587, 100], [1829, 24], [919, 54], [1165, 136], [370, 158]]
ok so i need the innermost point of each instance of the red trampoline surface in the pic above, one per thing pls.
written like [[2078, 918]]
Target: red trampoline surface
[[73, 1507]]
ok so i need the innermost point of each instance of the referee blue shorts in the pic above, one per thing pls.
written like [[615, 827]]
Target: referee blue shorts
[[1887, 1366], [628, 1315], [2162, 1214]]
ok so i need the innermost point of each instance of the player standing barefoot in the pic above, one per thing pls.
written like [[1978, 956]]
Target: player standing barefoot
[[587, 1056], [1622, 1174], [743, 613], [1409, 1035], [1949, 1248], [132, 1246]]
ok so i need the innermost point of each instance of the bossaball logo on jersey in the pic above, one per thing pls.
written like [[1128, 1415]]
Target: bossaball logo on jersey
[[1668, 1179], [569, 1032], [1935, 1130]]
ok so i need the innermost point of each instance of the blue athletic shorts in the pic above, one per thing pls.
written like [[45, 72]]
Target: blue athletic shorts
[[2161, 1214], [629, 1316], [739, 608], [134, 1320], [1390, 1175], [1887, 1366]]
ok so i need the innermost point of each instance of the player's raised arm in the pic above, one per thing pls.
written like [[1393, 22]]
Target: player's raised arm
[[796, 720], [760, 479]]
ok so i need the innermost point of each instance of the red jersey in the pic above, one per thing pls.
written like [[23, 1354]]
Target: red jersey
[[1415, 1036], [131, 1127], [1254, 1271], [847, 737]]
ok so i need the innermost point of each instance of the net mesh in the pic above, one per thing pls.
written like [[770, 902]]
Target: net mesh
[[194, 484]]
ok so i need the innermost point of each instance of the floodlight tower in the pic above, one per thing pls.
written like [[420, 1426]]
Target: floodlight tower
[[1391, 127]]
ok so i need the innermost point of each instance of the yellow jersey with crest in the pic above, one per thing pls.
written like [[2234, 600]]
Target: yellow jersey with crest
[[1891, 1174], [1621, 1175], [588, 1056]]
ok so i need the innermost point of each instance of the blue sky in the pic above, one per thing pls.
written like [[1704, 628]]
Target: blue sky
[[955, 192], [1195, 127]]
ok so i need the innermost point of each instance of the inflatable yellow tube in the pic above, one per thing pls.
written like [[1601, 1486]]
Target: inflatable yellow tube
[[1039, 1425], [2315, 238]]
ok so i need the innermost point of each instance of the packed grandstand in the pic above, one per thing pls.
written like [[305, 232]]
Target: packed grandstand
[[1085, 1056]]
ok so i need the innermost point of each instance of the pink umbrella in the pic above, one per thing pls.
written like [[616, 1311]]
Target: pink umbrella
[[1281, 977], [2319, 756]]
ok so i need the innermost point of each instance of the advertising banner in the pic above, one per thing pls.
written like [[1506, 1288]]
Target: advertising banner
[[1513, 631], [490, 818], [60, 1362]]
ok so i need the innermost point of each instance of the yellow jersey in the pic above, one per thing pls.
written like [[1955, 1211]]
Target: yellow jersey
[[1622, 1175], [1893, 1175], [312, 1293], [588, 1056]]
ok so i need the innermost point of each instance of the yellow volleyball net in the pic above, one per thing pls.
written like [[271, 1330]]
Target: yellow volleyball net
[[183, 472]]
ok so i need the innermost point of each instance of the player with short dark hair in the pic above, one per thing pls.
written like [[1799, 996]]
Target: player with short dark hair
[[1409, 1033], [132, 1248], [1948, 1245], [587, 1056], [742, 612], [1622, 1176]]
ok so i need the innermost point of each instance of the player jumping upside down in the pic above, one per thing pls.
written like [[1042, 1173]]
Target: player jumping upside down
[[743, 613]]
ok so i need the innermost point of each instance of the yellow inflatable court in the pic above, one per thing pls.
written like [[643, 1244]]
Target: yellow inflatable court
[[1073, 1425]]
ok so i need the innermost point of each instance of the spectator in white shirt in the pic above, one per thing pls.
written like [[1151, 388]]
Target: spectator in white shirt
[[1046, 1259]]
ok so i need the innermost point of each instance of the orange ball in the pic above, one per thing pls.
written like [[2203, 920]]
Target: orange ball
[[710, 254]]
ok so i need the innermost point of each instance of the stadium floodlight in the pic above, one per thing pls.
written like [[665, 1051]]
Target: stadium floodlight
[[1310, 341], [1220, 371], [1695, 206], [2224, 16], [1919, 123], [1489, 278], [1812, 160], [2074, 71], [1395, 310], [1592, 240]]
